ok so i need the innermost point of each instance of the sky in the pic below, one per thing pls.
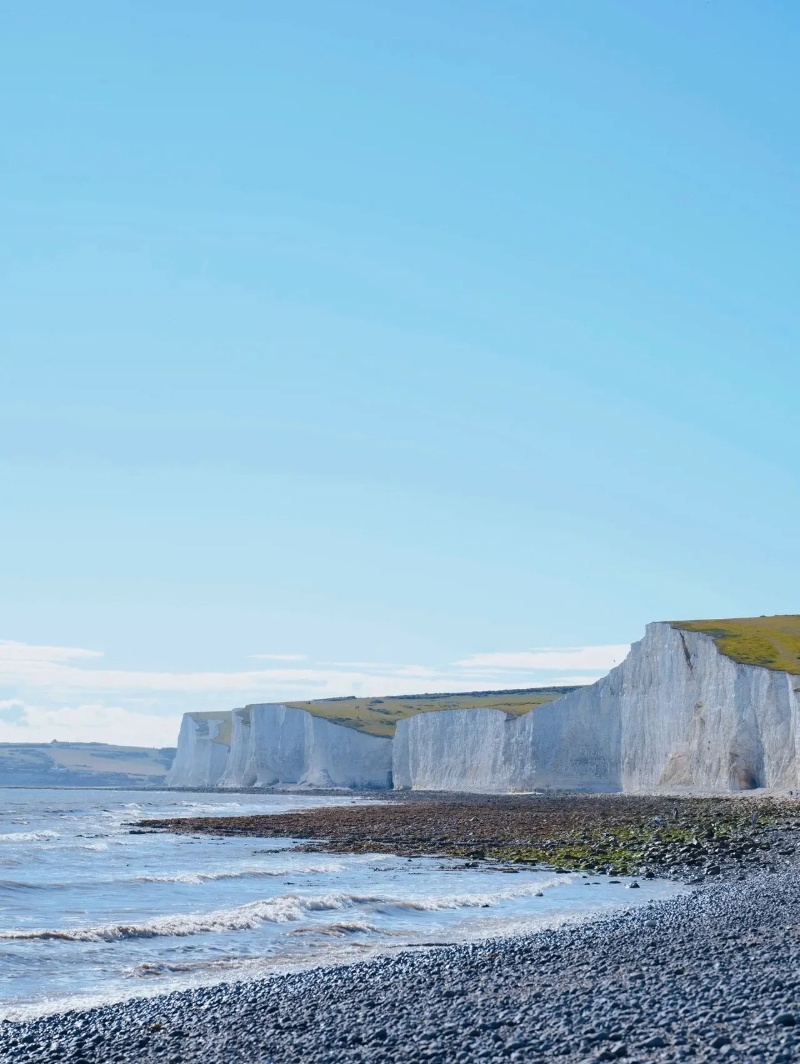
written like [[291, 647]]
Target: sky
[[372, 348]]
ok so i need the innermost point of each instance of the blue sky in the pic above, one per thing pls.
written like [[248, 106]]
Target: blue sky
[[345, 344]]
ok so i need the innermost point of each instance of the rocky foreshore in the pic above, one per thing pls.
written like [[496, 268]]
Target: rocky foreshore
[[710, 975], [685, 838]]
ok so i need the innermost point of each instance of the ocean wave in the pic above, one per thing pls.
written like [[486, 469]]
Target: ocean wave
[[241, 873], [282, 909], [338, 930], [29, 836], [16, 884], [484, 900]]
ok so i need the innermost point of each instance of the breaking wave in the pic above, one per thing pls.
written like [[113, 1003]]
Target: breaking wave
[[283, 909], [241, 873], [242, 918], [29, 836]]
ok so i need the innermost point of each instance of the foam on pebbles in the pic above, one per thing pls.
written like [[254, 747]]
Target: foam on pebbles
[[707, 976]]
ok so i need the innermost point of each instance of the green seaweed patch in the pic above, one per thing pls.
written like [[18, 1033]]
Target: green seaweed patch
[[631, 850]]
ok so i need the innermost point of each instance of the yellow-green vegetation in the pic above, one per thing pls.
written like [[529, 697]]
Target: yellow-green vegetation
[[771, 642], [378, 716], [223, 736]]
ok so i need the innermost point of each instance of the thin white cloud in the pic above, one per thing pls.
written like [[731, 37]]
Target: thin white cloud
[[90, 723], [278, 657], [548, 658], [11, 703], [27, 653]]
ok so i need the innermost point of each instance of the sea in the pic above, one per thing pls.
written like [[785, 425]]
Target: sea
[[91, 913]]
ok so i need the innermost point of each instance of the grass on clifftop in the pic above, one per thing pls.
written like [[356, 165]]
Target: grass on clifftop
[[771, 642], [378, 716]]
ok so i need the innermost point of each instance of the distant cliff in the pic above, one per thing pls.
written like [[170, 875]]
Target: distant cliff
[[276, 744], [204, 742], [59, 764], [333, 742], [271, 744]]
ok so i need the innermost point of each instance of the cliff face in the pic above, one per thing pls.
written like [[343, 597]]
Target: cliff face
[[237, 771], [680, 713], [693, 717], [202, 754], [457, 750], [676, 714]]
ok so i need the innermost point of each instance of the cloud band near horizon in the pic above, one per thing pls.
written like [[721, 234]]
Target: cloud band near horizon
[[60, 692]]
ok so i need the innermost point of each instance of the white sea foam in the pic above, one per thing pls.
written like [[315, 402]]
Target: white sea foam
[[439, 903]]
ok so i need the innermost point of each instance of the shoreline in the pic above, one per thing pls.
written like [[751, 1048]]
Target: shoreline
[[708, 975]]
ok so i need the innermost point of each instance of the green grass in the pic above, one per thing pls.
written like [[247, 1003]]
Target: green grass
[[771, 642], [378, 716]]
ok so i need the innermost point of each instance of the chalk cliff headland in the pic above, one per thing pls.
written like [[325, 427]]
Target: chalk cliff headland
[[695, 706]]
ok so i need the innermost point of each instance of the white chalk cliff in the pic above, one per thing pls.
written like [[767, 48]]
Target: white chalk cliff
[[677, 714], [203, 747], [276, 744]]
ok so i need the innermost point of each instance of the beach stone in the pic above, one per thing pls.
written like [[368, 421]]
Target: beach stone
[[656, 1042]]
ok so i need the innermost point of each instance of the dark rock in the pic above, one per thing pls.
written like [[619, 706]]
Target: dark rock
[[656, 1042], [785, 1019]]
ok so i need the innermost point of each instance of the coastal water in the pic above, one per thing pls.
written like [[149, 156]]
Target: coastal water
[[90, 912]]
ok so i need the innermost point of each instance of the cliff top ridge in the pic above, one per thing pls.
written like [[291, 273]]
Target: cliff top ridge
[[770, 642], [378, 716]]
